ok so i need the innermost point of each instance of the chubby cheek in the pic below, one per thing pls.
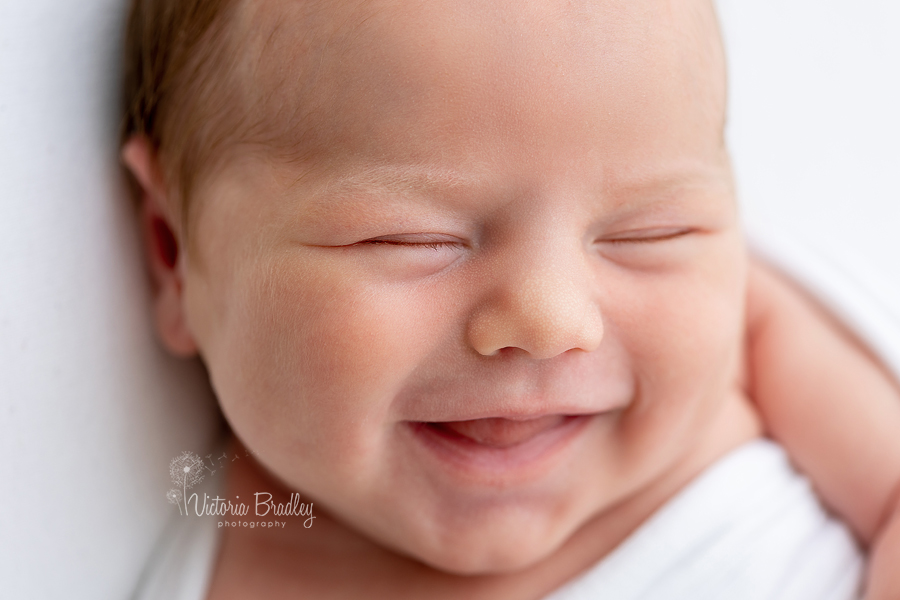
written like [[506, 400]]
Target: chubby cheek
[[312, 358], [683, 334]]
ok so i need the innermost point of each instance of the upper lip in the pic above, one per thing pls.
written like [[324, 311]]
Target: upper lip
[[434, 404], [438, 410], [510, 415], [516, 389]]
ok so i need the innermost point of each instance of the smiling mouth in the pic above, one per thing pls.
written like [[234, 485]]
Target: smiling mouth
[[500, 448], [498, 432]]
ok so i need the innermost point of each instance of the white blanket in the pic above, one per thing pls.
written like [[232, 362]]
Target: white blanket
[[749, 528]]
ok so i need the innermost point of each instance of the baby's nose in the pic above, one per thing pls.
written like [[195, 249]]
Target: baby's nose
[[545, 306]]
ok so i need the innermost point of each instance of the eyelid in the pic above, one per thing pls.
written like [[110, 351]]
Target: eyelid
[[644, 236], [426, 240]]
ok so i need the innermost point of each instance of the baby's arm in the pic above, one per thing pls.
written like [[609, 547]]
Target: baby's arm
[[833, 407]]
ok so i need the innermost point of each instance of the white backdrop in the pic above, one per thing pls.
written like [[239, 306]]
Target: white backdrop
[[815, 123], [814, 133], [91, 410]]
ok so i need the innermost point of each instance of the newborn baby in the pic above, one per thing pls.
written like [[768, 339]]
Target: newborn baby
[[469, 275]]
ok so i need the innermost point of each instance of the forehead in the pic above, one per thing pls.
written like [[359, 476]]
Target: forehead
[[614, 77]]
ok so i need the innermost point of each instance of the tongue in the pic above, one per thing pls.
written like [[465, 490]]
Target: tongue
[[499, 432]]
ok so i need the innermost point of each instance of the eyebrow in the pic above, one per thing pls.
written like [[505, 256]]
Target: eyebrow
[[417, 179]]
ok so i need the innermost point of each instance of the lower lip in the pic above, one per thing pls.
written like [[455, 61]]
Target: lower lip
[[472, 458]]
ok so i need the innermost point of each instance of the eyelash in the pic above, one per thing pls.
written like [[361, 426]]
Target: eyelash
[[649, 239], [430, 245]]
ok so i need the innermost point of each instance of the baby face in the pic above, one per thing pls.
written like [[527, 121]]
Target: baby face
[[498, 287]]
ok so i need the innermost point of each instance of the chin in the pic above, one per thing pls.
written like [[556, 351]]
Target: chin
[[504, 546], [481, 560]]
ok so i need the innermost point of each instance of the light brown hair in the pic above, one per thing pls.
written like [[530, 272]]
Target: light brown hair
[[179, 85]]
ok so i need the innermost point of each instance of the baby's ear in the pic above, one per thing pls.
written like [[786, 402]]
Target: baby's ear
[[162, 246]]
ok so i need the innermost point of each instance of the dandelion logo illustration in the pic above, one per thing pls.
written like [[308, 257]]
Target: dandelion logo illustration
[[174, 497], [186, 471]]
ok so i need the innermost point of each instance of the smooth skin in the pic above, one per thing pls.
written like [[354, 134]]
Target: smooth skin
[[829, 402], [512, 220]]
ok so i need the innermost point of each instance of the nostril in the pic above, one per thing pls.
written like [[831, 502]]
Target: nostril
[[540, 310], [539, 334]]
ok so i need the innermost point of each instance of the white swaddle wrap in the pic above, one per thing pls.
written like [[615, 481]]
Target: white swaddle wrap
[[749, 528]]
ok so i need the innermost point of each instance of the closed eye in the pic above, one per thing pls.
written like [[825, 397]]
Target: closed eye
[[425, 245], [407, 256], [415, 241], [645, 236], [651, 248]]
